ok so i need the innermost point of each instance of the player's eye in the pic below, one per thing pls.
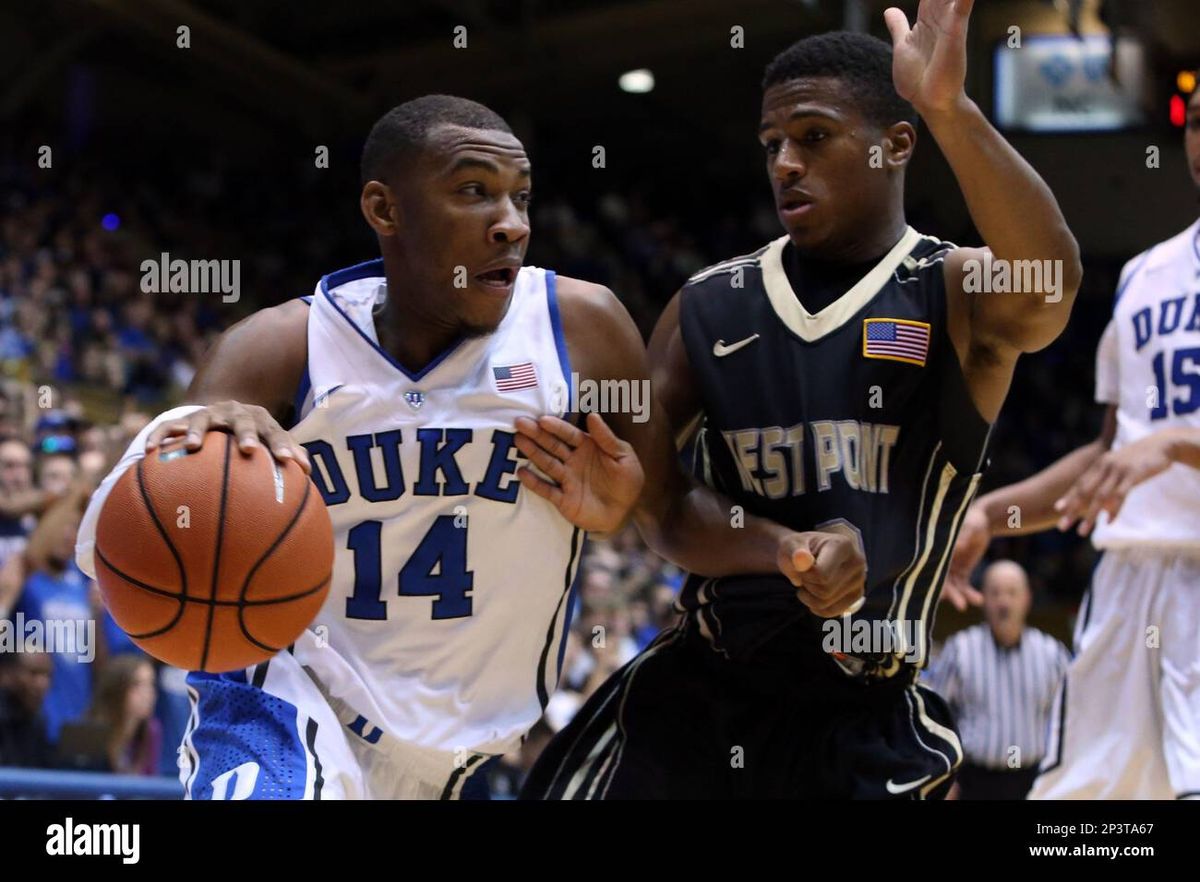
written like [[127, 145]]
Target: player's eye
[[473, 189], [523, 199], [771, 146], [815, 135]]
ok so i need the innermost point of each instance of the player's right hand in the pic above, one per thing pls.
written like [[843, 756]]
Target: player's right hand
[[828, 570], [250, 424], [972, 542]]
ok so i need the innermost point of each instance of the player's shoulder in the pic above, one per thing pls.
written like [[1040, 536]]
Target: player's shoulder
[[283, 326], [260, 359], [926, 257], [582, 302], [1181, 246], [717, 276], [595, 322]]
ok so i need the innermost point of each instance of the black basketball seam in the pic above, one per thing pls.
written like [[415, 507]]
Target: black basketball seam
[[163, 592], [212, 608], [242, 602], [181, 598]]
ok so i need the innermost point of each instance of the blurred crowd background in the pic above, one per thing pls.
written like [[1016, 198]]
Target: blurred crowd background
[[210, 154]]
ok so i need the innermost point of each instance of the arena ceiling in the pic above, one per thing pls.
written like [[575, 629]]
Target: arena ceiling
[[261, 64]]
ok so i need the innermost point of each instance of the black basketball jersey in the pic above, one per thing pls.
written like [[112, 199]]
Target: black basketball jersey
[[857, 419]]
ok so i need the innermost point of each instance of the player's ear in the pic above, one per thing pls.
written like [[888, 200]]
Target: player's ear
[[379, 208], [899, 140]]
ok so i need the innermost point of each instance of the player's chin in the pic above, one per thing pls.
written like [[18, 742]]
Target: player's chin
[[807, 235], [481, 322]]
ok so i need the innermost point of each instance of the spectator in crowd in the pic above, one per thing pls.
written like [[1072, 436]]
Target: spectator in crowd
[[20, 501], [56, 594], [1000, 678], [124, 704], [24, 681], [56, 470]]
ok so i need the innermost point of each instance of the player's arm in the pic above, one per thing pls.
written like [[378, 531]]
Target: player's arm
[[1106, 483], [1031, 505], [1011, 206], [246, 384], [679, 518]]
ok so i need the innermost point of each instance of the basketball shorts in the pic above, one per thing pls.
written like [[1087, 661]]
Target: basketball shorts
[[273, 731], [682, 720], [1126, 721]]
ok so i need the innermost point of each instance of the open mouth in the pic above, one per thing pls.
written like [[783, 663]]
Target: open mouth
[[793, 205], [498, 278]]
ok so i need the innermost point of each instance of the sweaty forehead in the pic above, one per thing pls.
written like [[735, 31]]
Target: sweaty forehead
[[449, 144]]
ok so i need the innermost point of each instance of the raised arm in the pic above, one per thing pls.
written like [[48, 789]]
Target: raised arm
[[1011, 206]]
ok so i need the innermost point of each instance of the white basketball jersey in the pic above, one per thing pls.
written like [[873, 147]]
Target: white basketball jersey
[[1148, 364], [445, 621]]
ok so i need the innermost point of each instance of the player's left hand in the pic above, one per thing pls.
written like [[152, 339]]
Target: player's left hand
[[1104, 486], [596, 477], [929, 60]]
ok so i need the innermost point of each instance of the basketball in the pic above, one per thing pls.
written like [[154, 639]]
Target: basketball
[[213, 559]]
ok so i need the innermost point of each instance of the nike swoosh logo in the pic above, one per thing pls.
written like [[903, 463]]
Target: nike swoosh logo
[[720, 350], [904, 788]]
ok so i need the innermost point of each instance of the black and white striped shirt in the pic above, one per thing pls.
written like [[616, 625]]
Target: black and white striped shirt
[[1001, 696]]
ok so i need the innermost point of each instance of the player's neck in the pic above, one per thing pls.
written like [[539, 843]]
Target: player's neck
[[412, 338], [863, 247]]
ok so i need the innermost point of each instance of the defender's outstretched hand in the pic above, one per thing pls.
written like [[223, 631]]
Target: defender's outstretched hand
[[596, 477], [972, 542], [929, 64], [1106, 483]]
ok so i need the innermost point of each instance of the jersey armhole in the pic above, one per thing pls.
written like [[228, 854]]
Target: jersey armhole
[[963, 431], [304, 387]]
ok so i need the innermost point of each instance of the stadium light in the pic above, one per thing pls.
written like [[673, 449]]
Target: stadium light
[[636, 81]]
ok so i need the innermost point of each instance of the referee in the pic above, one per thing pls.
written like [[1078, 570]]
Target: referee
[[999, 678]]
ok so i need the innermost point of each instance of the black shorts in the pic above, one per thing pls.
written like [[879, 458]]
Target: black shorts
[[681, 721]]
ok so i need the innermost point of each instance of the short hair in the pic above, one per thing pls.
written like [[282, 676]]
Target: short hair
[[862, 62], [404, 130]]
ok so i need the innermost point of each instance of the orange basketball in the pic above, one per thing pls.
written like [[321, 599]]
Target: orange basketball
[[213, 560]]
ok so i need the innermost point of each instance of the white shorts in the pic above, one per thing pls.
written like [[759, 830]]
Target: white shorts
[[273, 731], [1126, 723]]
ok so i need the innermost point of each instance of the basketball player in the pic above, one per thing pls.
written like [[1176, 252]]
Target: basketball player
[[402, 380], [1127, 717], [847, 380]]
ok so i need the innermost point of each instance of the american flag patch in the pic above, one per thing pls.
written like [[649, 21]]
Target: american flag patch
[[896, 339], [511, 377]]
